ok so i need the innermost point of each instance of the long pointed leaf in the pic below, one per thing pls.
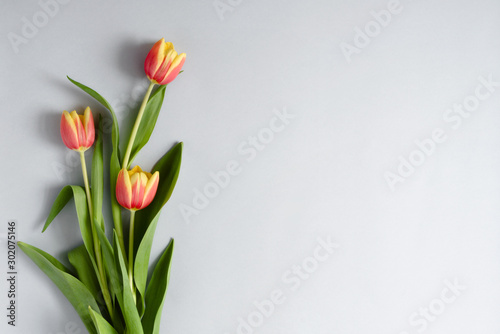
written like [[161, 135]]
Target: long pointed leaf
[[148, 121], [49, 258], [141, 264], [97, 177], [114, 277], [80, 260], [102, 326], [109, 261], [168, 166], [129, 310], [115, 164], [61, 200], [83, 218], [116, 210], [157, 289], [115, 137], [74, 290], [80, 199], [78, 194], [92, 93]]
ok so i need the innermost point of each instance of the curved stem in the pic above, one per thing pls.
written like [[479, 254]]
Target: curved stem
[[87, 187], [97, 246], [136, 126], [121, 243], [131, 254]]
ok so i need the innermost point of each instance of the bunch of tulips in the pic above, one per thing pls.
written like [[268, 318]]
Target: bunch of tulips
[[107, 282]]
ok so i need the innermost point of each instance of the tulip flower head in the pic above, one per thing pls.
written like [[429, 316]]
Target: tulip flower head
[[163, 64], [136, 189], [77, 131]]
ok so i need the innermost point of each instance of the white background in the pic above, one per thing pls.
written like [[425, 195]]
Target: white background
[[323, 176]]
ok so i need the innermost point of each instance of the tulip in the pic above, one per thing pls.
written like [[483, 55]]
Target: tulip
[[135, 189], [77, 131], [78, 134], [163, 64]]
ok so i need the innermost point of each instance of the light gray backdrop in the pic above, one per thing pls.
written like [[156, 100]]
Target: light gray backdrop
[[362, 137]]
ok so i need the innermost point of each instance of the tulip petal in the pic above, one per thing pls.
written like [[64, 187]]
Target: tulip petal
[[174, 69], [163, 64], [151, 188], [155, 57], [134, 170], [69, 133], [162, 71], [136, 189], [77, 119], [124, 189], [89, 127], [139, 181], [136, 202]]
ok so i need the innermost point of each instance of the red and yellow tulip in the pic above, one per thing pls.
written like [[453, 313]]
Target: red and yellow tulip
[[136, 189], [163, 64], [77, 131]]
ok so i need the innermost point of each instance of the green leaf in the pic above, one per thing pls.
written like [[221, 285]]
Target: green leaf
[[74, 290], [92, 93], [82, 213], [80, 260], [168, 166], [115, 283], [80, 199], [78, 194], [141, 307], [129, 310], [109, 260], [103, 327], [157, 289], [142, 258], [97, 177], [115, 132], [148, 122], [116, 209], [49, 258], [115, 164], [61, 200]]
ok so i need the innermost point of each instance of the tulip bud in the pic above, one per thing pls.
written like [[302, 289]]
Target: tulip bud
[[135, 189], [77, 131], [163, 63]]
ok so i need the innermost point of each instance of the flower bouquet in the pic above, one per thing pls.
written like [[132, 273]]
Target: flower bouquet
[[107, 282]]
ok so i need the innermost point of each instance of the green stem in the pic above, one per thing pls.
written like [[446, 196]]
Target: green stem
[[131, 254], [136, 126], [119, 234], [97, 246]]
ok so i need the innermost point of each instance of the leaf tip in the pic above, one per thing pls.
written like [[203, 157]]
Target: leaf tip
[[179, 146]]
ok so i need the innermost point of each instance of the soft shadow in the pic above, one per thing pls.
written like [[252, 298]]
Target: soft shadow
[[48, 121], [154, 262], [131, 55]]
